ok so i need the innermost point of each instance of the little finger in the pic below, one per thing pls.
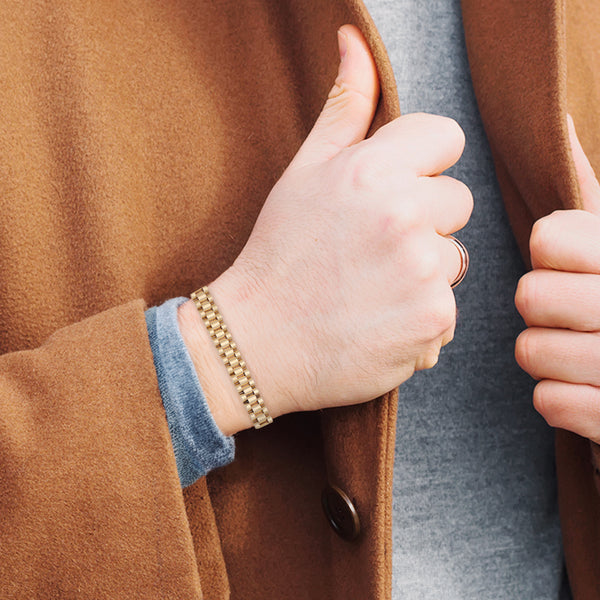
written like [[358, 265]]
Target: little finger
[[560, 354], [430, 356], [569, 406]]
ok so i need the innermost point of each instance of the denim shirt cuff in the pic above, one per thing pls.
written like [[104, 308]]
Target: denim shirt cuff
[[198, 443]]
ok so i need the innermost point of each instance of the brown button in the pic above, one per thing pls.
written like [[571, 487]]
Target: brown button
[[340, 512]]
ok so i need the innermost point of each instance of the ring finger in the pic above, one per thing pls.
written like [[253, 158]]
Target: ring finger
[[569, 406], [560, 354], [454, 262]]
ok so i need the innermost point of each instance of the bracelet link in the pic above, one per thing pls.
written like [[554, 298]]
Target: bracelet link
[[229, 353]]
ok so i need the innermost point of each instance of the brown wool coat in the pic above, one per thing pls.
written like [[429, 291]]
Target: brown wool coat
[[137, 143]]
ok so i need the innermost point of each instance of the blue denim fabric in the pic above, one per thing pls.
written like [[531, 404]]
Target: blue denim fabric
[[198, 443]]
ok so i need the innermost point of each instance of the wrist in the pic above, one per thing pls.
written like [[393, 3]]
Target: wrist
[[242, 315], [222, 398]]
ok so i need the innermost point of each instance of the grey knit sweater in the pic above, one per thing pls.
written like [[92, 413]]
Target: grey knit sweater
[[475, 509]]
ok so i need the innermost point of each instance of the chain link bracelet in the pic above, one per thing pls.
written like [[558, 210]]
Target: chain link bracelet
[[228, 351]]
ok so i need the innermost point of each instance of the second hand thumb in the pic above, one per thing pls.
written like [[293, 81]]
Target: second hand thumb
[[348, 112], [588, 183]]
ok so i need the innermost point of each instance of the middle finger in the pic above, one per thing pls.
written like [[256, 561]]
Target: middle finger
[[561, 300]]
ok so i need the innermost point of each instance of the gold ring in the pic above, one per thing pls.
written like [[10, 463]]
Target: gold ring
[[464, 260]]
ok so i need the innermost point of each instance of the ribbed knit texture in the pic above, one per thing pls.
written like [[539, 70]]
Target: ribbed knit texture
[[198, 443]]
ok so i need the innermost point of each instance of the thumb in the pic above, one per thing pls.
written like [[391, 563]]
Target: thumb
[[350, 106], [588, 184]]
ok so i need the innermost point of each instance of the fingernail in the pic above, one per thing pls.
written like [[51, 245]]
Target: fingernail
[[342, 44]]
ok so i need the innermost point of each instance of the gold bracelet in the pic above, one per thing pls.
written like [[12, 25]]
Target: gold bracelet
[[236, 367]]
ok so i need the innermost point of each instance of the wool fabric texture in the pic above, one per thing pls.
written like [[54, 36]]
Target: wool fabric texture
[[137, 145]]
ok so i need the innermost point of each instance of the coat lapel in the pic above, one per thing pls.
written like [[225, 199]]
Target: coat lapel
[[518, 65], [526, 79]]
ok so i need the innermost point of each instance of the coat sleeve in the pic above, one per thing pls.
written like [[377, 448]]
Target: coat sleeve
[[90, 500]]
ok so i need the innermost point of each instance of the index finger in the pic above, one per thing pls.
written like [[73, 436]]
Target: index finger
[[426, 144]]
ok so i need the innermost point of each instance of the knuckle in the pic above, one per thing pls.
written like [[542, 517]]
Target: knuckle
[[428, 359], [525, 296], [466, 197], [342, 93], [426, 264], [540, 399], [445, 126], [525, 350], [442, 317], [362, 170], [417, 118], [395, 224], [460, 198], [543, 402], [448, 335], [409, 214], [542, 236], [453, 131]]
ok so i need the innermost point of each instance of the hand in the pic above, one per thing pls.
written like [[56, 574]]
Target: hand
[[560, 303], [342, 290]]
